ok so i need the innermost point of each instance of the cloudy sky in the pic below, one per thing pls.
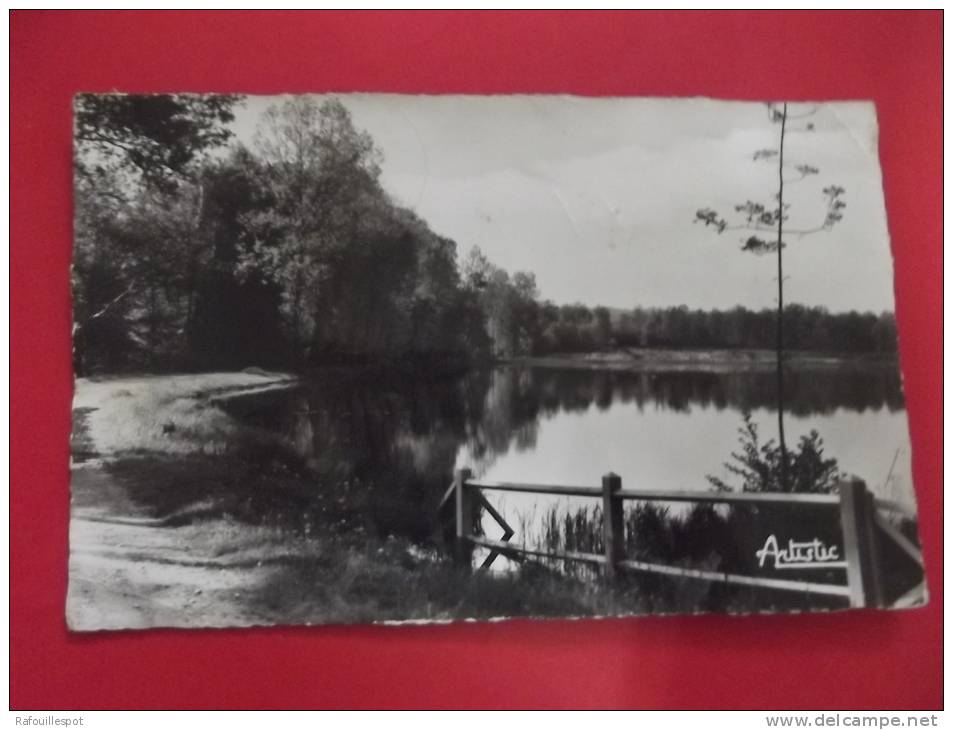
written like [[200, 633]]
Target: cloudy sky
[[597, 196]]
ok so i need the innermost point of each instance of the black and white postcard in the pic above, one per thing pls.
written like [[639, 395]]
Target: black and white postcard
[[385, 358]]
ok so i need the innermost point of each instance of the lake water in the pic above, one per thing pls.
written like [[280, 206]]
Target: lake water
[[388, 443]]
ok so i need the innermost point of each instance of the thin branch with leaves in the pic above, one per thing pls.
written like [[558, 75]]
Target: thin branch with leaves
[[766, 224]]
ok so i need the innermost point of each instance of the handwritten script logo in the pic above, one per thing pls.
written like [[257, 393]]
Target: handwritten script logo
[[811, 554]]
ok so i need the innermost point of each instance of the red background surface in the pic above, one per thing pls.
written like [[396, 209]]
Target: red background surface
[[849, 660]]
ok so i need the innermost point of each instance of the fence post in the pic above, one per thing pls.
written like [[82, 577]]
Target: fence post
[[612, 523], [875, 581], [860, 548], [464, 516]]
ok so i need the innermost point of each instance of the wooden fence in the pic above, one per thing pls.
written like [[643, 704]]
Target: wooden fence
[[862, 519]]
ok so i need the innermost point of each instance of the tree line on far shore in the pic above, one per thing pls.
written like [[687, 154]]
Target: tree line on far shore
[[193, 251], [527, 326], [806, 328]]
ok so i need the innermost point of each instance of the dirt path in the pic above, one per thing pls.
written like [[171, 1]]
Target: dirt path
[[130, 569]]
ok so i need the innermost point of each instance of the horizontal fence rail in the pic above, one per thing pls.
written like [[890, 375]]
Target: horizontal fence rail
[[860, 520], [537, 488], [800, 586], [649, 495]]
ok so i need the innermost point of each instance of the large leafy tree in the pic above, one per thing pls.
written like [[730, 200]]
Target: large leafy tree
[[155, 137], [322, 175], [139, 195], [236, 319], [509, 304]]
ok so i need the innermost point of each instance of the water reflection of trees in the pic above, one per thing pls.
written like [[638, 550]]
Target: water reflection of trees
[[384, 445], [812, 392]]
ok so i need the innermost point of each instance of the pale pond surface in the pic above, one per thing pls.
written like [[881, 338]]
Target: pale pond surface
[[396, 439]]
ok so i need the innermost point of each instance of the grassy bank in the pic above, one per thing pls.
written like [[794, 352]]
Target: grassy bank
[[167, 414]]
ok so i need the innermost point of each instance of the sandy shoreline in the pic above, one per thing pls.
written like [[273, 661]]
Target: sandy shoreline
[[639, 359]]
